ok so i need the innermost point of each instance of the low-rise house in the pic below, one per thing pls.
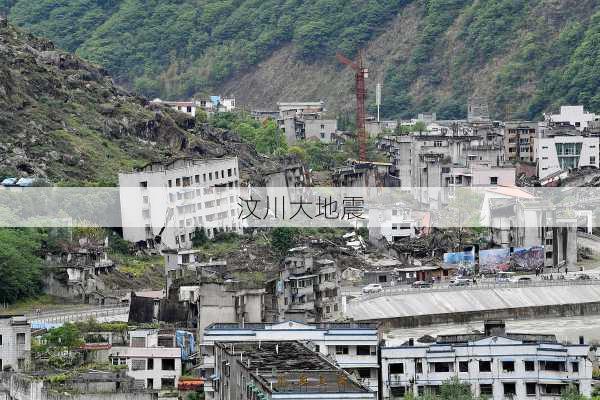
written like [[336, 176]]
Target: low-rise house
[[152, 358], [15, 342], [495, 364], [91, 385], [280, 370]]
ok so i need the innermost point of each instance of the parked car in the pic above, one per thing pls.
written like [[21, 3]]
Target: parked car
[[459, 282], [521, 279], [421, 284], [372, 288]]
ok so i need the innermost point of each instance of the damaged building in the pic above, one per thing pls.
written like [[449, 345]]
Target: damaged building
[[306, 288]]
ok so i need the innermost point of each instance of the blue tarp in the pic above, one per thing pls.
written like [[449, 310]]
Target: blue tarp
[[185, 341]]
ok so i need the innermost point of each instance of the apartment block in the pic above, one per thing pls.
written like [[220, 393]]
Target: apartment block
[[163, 204], [280, 370], [15, 342], [304, 120], [495, 364], [351, 346], [307, 288], [519, 140]]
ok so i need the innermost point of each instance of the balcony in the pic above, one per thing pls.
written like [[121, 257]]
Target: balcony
[[355, 361]]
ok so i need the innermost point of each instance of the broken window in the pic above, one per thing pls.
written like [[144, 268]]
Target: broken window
[[339, 350], [397, 368], [138, 364], [463, 366], [508, 366], [167, 383], [529, 365], [530, 388], [20, 339], [510, 389]]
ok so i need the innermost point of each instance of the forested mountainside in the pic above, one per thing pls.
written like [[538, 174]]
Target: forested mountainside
[[65, 120], [526, 56]]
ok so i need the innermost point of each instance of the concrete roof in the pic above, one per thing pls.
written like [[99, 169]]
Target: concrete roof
[[469, 300]]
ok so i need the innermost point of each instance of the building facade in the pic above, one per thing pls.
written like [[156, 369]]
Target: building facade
[[163, 204], [496, 365], [15, 343], [152, 358], [307, 287], [561, 153], [519, 140]]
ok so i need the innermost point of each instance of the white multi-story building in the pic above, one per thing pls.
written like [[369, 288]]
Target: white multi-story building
[[172, 200], [351, 346], [496, 364], [574, 115], [566, 152], [151, 358], [15, 342]]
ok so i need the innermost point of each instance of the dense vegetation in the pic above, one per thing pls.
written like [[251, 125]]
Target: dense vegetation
[[20, 264], [179, 47], [533, 54]]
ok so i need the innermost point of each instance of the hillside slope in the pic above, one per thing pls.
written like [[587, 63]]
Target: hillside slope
[[64, 119], [526, 56]]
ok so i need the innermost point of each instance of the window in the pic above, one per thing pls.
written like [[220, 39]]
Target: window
[[418, 367], [510, 389], [396, 368], [363, 350], [530, 388], [341, 350], [322, 135], [21, 363], [178, 182], [151, 363], [150, 383], [575, 366], [197, 178], [138, 342], [508, 366], [485, 366], [364, 373], [441, 367], [529, 365], [144, 184], [592, 159], [493, 180], [168, 364], [168, 383], [463, 366], [138, 364], [20, 338], [189, 109], [486, 390], [445, 170], [0, 340], [437, 143]]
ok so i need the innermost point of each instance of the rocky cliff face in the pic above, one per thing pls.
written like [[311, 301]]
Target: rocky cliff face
[[65, 120]]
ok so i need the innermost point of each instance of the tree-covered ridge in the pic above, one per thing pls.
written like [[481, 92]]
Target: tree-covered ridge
[[180, 47], [526, 56]]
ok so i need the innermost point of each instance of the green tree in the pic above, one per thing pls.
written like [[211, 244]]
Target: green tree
[[66, 336], [199, 238], [20, 264], [572, 393], [283, 239]]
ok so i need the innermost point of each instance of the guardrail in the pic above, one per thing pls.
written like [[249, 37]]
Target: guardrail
[[77, 315], [395, 291]]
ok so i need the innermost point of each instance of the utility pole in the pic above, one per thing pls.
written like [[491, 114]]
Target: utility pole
[[378, 98], [361, 73]]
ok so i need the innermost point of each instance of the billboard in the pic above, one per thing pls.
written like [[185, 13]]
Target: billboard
[[494, 260], [527, 258], [460, 259]]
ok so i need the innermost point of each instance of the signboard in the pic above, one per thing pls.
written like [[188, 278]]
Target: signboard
[[527, 258], [460, 259], [494, 260]]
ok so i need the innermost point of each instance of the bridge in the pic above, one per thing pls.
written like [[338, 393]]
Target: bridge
[[402, 307], [78, 314]]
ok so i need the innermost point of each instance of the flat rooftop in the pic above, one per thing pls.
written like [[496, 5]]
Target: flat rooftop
[[317, 326], [290, 367]]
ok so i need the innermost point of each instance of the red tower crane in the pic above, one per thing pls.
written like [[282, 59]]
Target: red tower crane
[[361, 73]]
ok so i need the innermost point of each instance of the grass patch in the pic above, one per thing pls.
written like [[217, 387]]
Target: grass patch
[[43, 302], [136, 266]]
